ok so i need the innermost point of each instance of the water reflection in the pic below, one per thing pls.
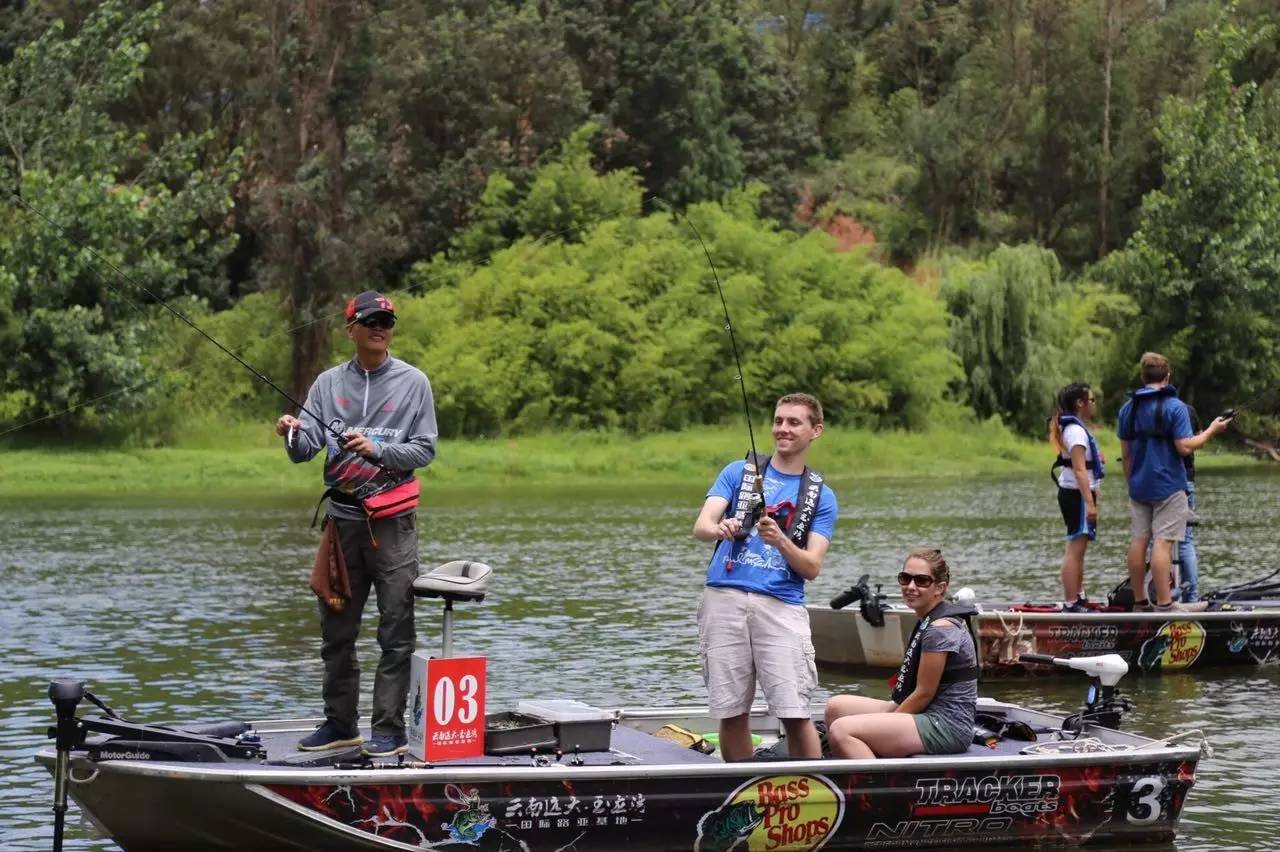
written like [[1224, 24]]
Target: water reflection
[[188, 612]]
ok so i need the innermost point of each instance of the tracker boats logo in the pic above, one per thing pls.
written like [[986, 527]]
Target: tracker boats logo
[[973, 807], [795, 813], [1022, 795]]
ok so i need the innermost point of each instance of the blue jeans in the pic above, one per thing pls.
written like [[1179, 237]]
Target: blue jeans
[[1189, 564]]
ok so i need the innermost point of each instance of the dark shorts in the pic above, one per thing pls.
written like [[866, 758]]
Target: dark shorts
[[1071, 502], [940, 738]]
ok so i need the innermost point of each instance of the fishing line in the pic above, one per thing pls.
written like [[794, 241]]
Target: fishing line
[[62, 232]]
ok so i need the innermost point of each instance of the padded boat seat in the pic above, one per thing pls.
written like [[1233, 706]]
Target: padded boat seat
[[459, 580]]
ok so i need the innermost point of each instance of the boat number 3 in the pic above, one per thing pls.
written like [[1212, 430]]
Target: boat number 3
[[461, 699], [1144, 804]]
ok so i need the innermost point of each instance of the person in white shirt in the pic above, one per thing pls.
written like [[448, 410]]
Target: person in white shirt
[[1082, 469]]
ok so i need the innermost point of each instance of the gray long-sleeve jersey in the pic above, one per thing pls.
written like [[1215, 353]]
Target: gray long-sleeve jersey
[[392, 405]]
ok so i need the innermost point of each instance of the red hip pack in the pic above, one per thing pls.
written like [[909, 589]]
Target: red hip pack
[[393, 501]]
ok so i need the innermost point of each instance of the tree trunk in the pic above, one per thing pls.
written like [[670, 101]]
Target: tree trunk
[[309, 255]]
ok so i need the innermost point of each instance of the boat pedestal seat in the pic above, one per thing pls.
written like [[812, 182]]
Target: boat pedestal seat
[[459, 580]]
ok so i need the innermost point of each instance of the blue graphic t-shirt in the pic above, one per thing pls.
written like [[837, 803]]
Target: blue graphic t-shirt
[[1156, 472], [759, 567]]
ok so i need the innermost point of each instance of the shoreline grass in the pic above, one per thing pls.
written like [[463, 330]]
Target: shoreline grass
[[244, 461]]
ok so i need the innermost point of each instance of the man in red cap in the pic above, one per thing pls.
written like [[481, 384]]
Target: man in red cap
[[385, 412]]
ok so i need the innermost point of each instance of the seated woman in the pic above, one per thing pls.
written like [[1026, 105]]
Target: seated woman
[[933, 703]]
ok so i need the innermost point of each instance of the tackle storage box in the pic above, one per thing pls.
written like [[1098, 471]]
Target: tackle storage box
[[578, 726], [514, 733]]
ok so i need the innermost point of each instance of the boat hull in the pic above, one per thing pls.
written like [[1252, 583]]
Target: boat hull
[[1149, 642], [792, 805]]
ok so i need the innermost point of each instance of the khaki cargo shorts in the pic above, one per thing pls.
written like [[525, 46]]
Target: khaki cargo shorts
[[1163, 521], [745, 637]]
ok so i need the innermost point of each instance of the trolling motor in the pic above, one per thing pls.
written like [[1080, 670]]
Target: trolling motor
[[873, 605], [1103, 704], [65, 693]]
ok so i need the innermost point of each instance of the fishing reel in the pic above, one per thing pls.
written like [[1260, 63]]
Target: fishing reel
[[782, 513]]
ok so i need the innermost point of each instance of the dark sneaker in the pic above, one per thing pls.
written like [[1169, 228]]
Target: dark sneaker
[[329, 736], [386, 745], [1076, 606]]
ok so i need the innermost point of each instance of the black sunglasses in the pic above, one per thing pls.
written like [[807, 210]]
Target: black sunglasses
[[378, 321], [922, 581]]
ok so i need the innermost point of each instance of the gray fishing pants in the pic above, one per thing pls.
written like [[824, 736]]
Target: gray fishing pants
[[390, 569]]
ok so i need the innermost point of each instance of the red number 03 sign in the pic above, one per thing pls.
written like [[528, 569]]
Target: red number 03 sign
[[449, 701]]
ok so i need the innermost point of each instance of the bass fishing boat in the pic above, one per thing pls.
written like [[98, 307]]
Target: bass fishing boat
[[1236, 625], [643, 783]]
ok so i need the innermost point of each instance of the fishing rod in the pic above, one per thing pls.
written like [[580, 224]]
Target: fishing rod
[[62, 232], [1249, 402], [417, 286], [728, 326], [758, 504]]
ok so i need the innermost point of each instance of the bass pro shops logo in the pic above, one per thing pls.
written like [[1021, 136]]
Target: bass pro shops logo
[[1176, 645], [795, 813]]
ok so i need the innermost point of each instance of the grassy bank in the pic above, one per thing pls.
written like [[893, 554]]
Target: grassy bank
[[246, 460]]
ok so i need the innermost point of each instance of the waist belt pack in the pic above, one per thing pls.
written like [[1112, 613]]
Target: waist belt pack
[[393, 501]]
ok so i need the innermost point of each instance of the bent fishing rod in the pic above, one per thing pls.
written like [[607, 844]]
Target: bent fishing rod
[[62, 232]]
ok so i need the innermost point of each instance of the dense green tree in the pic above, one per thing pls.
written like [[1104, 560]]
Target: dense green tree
[[1204, 263], [96, 222], [622, 327], [690, 97]]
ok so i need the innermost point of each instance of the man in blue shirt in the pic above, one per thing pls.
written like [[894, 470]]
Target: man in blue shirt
[[1155, 433], [773, 519]]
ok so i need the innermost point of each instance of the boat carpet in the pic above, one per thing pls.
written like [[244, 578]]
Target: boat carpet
[[629, 747]]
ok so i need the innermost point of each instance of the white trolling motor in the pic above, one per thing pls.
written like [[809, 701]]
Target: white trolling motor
[[1103, 704]]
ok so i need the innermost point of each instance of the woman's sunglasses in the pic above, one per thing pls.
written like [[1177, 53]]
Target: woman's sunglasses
[[378, 321], [922, 581]]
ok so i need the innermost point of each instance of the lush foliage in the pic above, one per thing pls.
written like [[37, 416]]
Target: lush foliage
[[1023, 333], [1042, 188], [88, 240], [622, 326], [1205, 260]]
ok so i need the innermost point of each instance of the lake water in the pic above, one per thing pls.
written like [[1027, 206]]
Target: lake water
[[185, 612]]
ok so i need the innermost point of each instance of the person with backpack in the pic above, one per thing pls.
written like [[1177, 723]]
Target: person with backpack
[[1082, 471], [1155, 434]]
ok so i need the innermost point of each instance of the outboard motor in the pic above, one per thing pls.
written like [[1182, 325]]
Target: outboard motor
[[873, 605], [858, 591], [1103, 704]]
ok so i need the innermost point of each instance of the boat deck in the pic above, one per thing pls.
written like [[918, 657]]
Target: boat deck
[[633, 743]]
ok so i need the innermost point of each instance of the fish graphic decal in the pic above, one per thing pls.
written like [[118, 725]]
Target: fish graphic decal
[[727, 826], [470, 822], [1152, 651]]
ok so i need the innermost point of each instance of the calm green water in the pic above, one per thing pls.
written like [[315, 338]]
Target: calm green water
[[188, 612]]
